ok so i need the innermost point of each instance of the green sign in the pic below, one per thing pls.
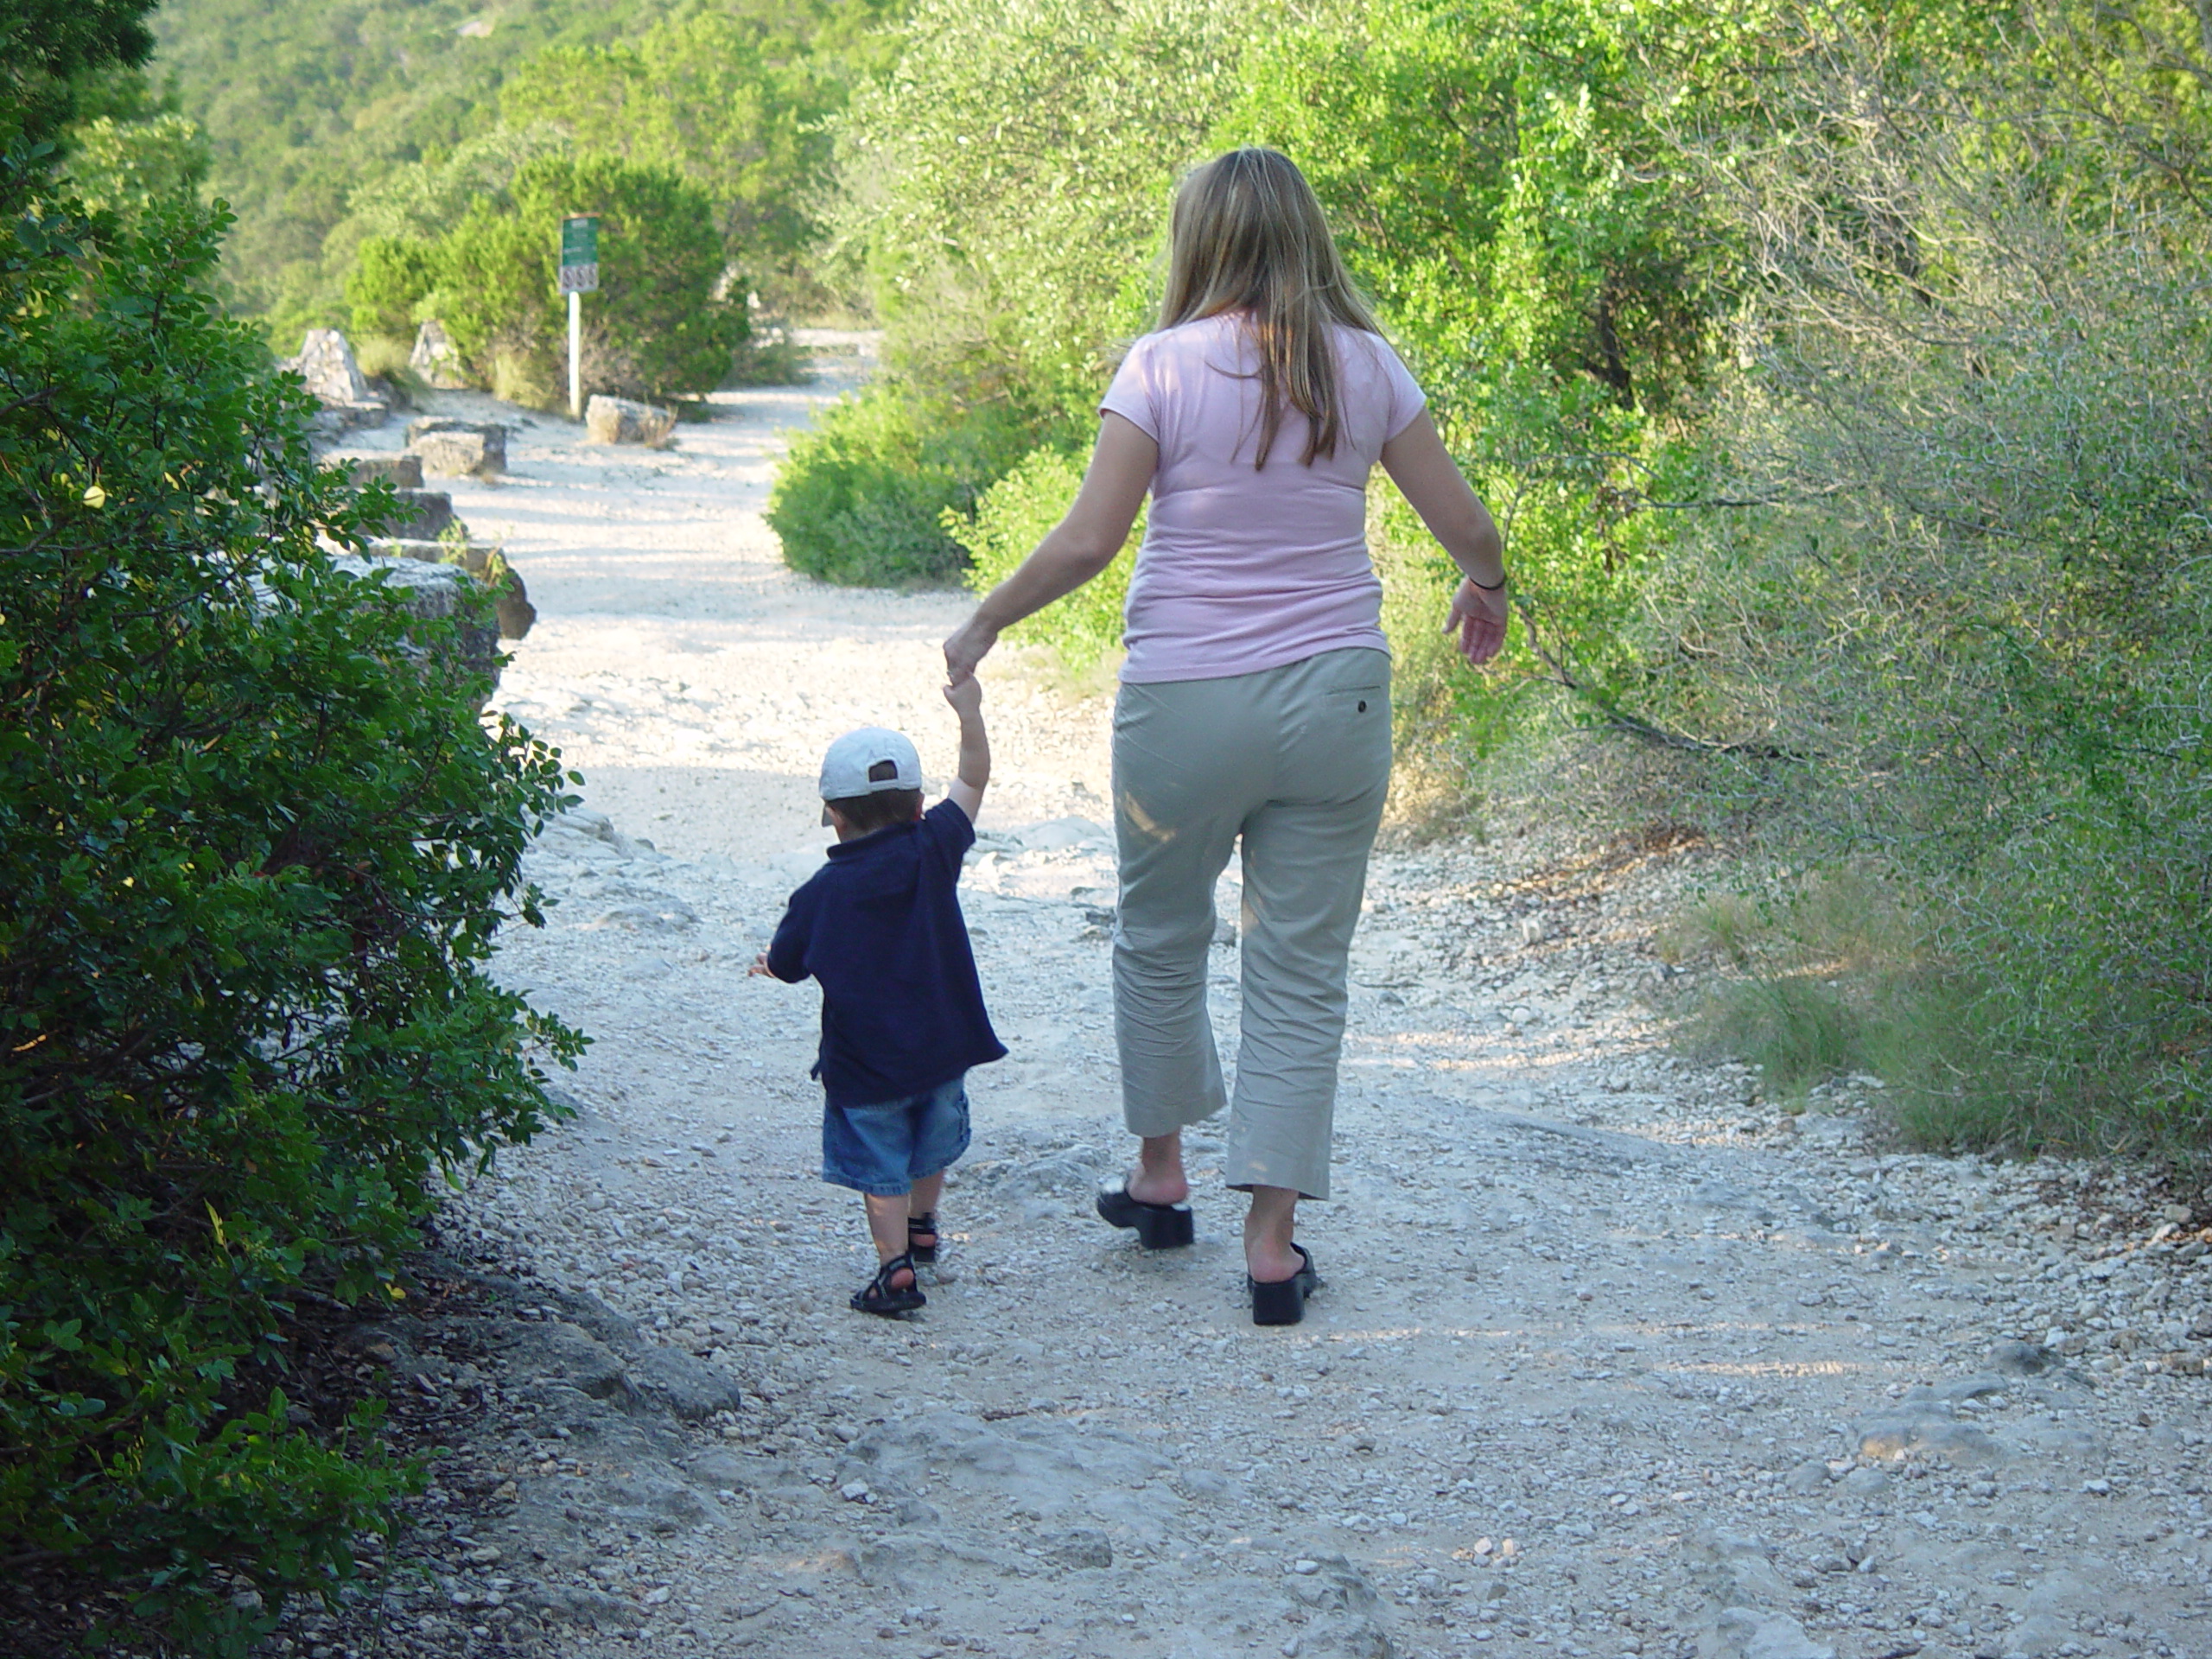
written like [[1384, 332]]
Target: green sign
[[579, 254]]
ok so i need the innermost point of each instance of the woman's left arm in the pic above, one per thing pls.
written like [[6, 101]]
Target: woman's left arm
[[1073, 552]]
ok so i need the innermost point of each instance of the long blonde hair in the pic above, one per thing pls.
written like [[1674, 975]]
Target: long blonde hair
[[1247, 235]]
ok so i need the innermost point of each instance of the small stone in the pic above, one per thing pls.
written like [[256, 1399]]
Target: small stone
[[1305, 1567], [1080, 1547], [434, 358], [2179, 1214], [853, 1492], [623, 420], [459, 449], [401, 472], [326, 363], [1809, 1477]]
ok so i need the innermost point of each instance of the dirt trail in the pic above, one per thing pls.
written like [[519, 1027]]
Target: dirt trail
[[1612, 1358]]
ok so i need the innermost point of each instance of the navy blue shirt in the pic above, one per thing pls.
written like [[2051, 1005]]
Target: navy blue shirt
[[879, 927]]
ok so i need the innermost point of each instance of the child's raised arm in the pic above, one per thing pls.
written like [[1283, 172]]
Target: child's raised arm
[[967, 789]]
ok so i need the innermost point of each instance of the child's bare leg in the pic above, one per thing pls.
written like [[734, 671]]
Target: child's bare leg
[[886, 1224], [923, 1200]]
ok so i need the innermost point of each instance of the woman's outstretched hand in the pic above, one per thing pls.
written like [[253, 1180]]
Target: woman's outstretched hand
[[1479, 617], [969, 645]]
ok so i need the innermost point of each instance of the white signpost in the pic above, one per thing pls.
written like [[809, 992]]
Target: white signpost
[[579, 276]]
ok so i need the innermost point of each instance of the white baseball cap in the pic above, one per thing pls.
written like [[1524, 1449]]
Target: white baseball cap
[[852, 758]]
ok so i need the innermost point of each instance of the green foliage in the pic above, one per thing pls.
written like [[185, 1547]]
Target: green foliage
[[862, 496], [126, 167], [311, 103], [254, 847], [1007, 186], [392, 276], [1965, 636], [49, 49], [1010, 519], [734, 101], [661, 326], [1005, 189]]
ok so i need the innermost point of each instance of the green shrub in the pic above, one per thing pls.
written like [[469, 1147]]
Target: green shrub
[[1956, 630], [662, 324], [393, 276], [1010, 519], [861, 498], [255, 843]]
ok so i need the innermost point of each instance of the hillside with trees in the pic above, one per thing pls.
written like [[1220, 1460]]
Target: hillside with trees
[[333, 121]]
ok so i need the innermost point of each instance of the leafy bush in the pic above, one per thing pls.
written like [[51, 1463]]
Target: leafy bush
[[1965, 638], [735, 103], [393, 276], [47, 53], [861, 498], [1007, 189], [1010, 519], [662, 324], [254, 847]]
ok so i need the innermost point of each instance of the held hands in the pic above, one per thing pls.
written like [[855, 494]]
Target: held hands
[[967, 647], [760, 968], [966, 695], [1479, 616]]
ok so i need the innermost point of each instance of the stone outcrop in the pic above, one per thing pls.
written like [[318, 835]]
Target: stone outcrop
[[326, 363], [623, 420], [453, 449], [434, 358]]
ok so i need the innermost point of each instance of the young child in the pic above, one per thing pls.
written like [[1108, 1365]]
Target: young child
[[902, 1011]]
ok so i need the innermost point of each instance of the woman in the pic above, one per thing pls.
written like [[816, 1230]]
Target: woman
[[1254, 703]]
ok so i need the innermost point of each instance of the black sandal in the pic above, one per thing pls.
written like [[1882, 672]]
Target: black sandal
[[880, 1296], [1158, 1226], [1283, 1301], [918, 1228]]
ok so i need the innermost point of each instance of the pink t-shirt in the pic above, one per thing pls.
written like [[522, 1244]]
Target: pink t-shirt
[[1245, 570]]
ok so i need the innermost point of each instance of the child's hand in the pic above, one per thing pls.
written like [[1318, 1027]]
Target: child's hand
[[966, 697], [760, 969]]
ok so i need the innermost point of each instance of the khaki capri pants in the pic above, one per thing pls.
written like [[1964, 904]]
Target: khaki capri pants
[[1294, 762]]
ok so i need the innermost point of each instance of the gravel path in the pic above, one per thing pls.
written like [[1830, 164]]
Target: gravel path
[[1612, 1357]]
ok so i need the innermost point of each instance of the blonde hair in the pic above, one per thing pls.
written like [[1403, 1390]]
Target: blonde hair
[[1247, 235]]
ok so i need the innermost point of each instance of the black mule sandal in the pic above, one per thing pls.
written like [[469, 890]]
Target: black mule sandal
[[1158, 1226], [880, 1296], [1283, 1302], [918, 1228]]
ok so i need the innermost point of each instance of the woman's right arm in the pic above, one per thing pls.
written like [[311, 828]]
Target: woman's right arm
[[1073, 552], [1426, 474]]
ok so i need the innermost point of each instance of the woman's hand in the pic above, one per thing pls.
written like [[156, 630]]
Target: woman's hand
[[1479, 616], [968, 646]]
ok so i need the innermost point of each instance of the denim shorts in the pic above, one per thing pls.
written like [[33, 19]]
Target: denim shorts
[[885, 1149]]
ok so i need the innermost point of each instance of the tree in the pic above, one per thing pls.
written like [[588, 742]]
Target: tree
[[47, 46], [717, 98], [663, 323], [255, 845]]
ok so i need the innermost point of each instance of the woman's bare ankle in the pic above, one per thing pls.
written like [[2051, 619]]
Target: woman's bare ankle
[[1269, 1226], [1159, 1177]]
